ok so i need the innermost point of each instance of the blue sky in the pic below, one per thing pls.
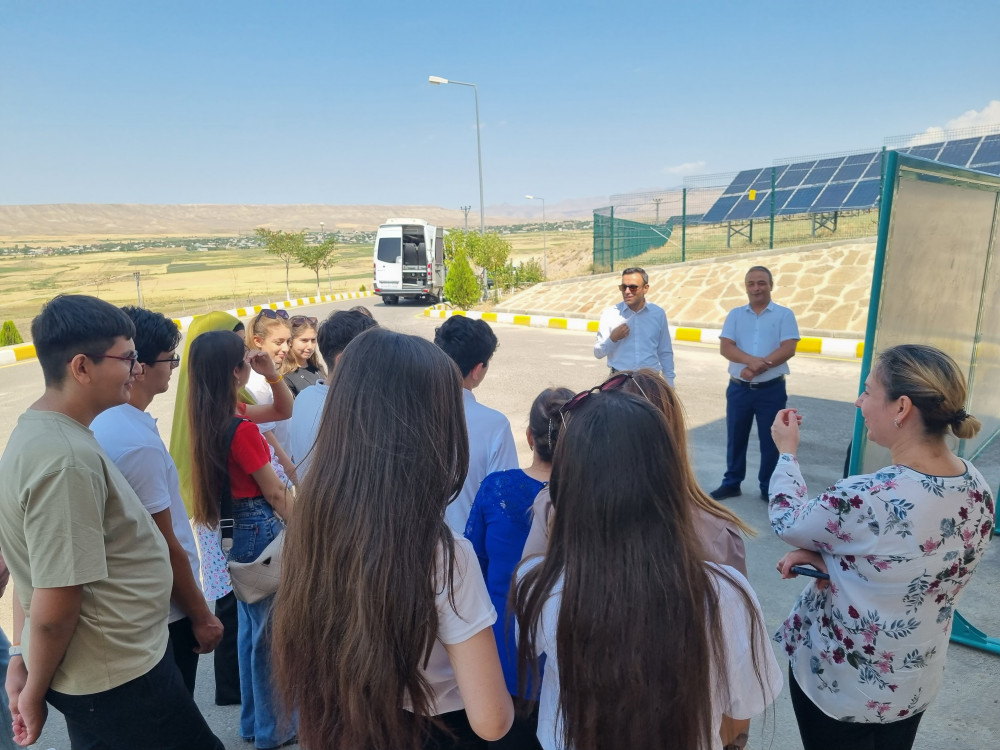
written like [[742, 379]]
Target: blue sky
[[287, 101]]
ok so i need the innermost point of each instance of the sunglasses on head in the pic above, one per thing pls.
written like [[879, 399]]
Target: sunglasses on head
[[301, 320], [267, 312], [631, 287], [615, 382]]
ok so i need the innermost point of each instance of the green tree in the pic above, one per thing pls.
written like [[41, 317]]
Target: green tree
[[461, 287], [285, 245], [489, 251], [315, 257]]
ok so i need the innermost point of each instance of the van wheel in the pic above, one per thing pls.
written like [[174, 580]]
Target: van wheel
[[390, 299], [432, 299]]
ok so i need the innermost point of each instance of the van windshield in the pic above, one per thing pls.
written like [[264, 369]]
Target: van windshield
[[389, 249]]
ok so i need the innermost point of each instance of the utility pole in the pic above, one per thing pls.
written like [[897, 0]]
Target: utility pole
[[466, 209], [657, 201]]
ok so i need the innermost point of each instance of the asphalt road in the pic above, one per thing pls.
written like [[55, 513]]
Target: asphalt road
[[966, 714]]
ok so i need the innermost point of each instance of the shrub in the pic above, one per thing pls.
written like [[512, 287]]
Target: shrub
[[9, 334], [461, 287], [362, 289], [529, 272]]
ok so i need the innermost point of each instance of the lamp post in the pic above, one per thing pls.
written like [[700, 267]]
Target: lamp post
[[437, 81], [465, 210], [545, 263]]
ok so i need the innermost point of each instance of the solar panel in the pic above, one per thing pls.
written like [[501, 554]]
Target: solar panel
[[820, 175], [988, 152], [851, 172], [763, 181], [720, 208], [834, 161], [874, 169], [802, 200], [927, 151], [794, 174], [832, 197], [745, 207], [864, 195], [861, 158], [990, 168], [743, 181], [958, 153]]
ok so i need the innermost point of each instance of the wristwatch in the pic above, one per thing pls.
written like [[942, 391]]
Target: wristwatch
[[14, 651]]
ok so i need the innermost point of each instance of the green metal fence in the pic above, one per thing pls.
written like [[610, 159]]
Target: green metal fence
[[658, 227]]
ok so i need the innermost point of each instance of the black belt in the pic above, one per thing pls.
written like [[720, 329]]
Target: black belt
[[757, 386]]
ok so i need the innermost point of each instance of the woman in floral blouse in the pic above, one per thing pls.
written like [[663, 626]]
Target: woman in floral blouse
[[867, 651]]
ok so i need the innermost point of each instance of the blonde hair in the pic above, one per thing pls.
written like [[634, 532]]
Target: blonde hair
[[299, 324], [664, 398], [932, 381], [261, 326]]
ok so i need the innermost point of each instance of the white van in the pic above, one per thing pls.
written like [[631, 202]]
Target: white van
[[409, 261]]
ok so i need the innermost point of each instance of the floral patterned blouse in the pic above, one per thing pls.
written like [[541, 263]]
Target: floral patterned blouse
[[900, 546]]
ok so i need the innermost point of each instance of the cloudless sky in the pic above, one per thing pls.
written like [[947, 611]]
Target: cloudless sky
[[287, 101]]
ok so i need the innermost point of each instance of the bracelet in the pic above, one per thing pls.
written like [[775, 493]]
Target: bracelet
[[15, 650], [275, 381]]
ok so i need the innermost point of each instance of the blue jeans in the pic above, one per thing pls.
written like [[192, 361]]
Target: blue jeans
[[254, 527], [743, 406], [6, 732]]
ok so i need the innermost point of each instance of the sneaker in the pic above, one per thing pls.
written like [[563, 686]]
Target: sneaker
[[725, 490]]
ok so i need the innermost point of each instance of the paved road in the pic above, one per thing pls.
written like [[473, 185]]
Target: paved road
[[966, 715]]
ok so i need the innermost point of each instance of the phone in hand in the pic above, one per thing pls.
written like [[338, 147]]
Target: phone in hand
[[805, 570]]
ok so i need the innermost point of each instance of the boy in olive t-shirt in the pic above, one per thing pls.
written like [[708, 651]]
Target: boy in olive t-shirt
[[90, 569]]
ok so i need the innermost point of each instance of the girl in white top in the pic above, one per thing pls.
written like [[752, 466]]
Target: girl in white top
[[270, 332], [382, 624], [645, 644]]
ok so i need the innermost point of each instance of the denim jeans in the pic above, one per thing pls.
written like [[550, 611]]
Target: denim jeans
[[6, 730], [254, 527]]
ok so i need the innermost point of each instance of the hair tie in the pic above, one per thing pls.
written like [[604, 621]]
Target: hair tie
[[960, 416]]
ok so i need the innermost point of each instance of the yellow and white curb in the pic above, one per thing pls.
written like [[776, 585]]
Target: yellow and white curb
[[826, 346], [248, 312], [21, 352]]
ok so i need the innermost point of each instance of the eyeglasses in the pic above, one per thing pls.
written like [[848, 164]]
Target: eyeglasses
[[131, 358], [613, 383], [174, 361], [631, 287], [267, 312], [298, 320]]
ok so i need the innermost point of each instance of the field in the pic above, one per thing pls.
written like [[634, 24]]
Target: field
[[180, 282]]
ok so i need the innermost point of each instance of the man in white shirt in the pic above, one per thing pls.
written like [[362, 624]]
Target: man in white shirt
[[128, 434], [634, 333], [333, 336], [471, 343], [758, 339]]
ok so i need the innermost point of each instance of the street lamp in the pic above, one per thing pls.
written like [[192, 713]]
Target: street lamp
[[437, 81], [545, 264]]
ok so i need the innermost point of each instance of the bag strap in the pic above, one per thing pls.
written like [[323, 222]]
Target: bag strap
[[226, 495]]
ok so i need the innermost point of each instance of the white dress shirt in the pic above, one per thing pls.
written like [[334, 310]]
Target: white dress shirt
[[759, 335], [304, 426], [647, 344], [491, 448]]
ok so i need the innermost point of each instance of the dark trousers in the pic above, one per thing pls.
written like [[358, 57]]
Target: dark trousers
[[183, 643], [457, 734], [226, 654], [821, 732], [743, 406], [523, 732], [153, 712]]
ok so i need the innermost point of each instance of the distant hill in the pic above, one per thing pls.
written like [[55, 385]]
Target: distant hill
[[107, 220]]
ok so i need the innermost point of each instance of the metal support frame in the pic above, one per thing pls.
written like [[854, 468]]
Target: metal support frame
[[740, 230], [824, 221]]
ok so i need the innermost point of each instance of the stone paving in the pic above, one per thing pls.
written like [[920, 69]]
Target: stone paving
[[827, 286]]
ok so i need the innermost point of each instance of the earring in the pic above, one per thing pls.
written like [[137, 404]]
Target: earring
[[896, 422]]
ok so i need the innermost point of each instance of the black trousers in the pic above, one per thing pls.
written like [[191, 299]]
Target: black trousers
[[226, 654], [153, 712], [821, 732], [183, 643]]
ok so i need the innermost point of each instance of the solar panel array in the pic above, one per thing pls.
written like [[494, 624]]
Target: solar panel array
[[840, 183]]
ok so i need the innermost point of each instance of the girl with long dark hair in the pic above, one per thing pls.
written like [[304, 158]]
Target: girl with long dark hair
[[646, 644], [219, 367], [382, 626]]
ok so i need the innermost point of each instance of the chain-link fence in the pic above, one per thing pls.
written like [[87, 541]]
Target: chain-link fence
[[796, 201]]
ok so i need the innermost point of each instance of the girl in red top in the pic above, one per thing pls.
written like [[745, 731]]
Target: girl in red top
[[219, 366]]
